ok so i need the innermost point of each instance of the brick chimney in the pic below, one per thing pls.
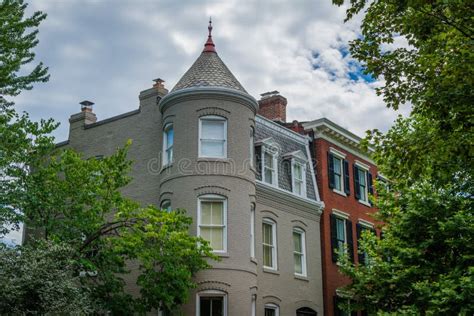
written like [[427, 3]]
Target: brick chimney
[[85, 117], [273, 106], [153, 95]]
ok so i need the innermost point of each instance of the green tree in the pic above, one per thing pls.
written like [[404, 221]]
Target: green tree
[[17, 40], [78, 221], [41, 279], [425, 262]]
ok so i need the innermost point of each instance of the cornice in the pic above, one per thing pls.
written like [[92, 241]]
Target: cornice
[[217, 93]]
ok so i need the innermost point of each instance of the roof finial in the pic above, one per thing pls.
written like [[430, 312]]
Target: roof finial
[[209, 46]]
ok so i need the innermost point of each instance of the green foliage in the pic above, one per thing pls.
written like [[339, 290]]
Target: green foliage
[[78, 202], [424, 264], [41, 279], [16, 48]]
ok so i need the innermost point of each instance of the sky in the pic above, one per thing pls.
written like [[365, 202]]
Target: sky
[[107, 51]]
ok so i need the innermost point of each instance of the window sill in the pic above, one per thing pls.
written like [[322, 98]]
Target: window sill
[[213, 159], [301, 277], [221, 254], [339, 192], [271, 271], [365, 203], [167, 166]]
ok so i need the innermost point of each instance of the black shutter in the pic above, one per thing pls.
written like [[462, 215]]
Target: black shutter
[[356, 183], [350, 242], [370, 186], [359, 230], [336, 309], [330, 170], [347, 189], [332, 218]]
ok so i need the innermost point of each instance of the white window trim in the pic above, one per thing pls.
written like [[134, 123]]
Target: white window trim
[[165, 145], [210, 293], [295, 162], [337, 153], [275, 244], [362, 165], [213, 198], [210, 118], [253, 305], [342, 158], [366, 189], [341, 214], [302, 233], [252, 231], [252, 146], [275, 166], [274, 307], [366, 224]]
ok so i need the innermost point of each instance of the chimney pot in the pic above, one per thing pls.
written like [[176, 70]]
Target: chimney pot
[[86, 106], [158, 83]]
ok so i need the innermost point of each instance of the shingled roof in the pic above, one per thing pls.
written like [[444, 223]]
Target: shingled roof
[[209, 71]]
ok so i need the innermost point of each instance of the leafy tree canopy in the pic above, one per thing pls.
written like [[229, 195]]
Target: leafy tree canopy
[[424, 263], [18, 37]]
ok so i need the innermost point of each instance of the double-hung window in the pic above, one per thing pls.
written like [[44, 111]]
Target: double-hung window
[[338, 172], [269, 167], [341, 235], [252, 147], [212, 221], [361, 227], [299, 178], [299, 251], [269, 244], [271, 310], [212, 137], [362, 183], [168, 140], [211, 303]]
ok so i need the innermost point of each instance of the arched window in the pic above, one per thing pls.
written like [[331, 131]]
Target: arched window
[[305, 311], [166, 205], [271, 310], [213, 137]]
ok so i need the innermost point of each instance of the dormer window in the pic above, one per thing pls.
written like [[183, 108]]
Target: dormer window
[[269, 159], [212, 137], [298, 172], [168, 141]]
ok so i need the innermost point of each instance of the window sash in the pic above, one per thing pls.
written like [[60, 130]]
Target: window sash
[[268, 167], [341, 235], [337, 173], [299, 252], [213, 137], [168, 142], [362, 174], [269, 246], [212, 223]]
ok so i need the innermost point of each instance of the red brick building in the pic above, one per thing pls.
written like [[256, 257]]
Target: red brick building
[[345, 177]]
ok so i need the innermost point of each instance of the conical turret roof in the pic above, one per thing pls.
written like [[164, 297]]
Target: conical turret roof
[[209, 71]]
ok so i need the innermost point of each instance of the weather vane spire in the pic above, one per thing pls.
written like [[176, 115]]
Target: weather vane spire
[[209, 46]]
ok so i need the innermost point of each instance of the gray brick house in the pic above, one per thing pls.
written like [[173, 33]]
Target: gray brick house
[[247, 182]]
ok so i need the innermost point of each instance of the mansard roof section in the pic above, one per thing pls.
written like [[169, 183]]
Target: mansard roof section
[[209, 71], [285, 144]]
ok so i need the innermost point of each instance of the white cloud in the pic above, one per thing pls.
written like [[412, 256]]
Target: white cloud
[[108, 50]]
